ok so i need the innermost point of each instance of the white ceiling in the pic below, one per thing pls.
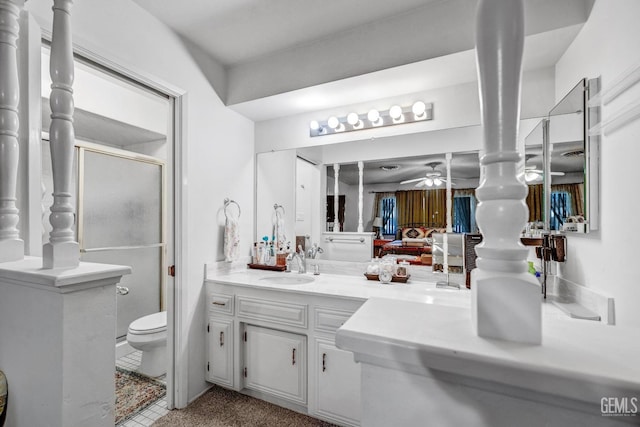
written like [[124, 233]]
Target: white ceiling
[[285, 57]]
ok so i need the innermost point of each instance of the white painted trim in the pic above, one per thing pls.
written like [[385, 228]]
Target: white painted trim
[[177, 329], [178, 337], [618, 86]]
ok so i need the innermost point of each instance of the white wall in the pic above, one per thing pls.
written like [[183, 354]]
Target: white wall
[[220, 160], [308, 203], [607, 46], [454, 106]]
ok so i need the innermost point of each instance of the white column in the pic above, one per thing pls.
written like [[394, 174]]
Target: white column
[[336, 197], [360, 196], [62, 249], [506, 300], [11, 246], [445, 237]]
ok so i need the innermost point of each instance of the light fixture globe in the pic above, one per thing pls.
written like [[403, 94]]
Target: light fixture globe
[[353, 119], [419, 108], [429, 182], [437, 181], [395, 112], [373, 115], [314, 125], [333, 122]]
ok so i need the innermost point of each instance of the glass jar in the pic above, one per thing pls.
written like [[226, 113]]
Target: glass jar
[[374, 266], [402, 270]]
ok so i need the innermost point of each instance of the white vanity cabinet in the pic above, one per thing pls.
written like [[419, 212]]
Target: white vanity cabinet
[[337, 384], [220, 342], [275, 362], [220, 351], [279, 346]]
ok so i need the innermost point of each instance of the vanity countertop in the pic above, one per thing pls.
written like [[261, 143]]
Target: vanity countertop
[[578, 359], [346, 286]]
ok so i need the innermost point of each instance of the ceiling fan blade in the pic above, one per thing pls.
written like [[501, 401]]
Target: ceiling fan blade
[[557, 173], [411, 180], [421, 183]]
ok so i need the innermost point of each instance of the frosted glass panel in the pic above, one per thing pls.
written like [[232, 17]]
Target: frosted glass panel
[[143, 282], [122, 202]]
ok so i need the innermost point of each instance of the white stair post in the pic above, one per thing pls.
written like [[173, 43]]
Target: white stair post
[[506, 300], [11, 246], [62, 249], [360, 195], [336, 197]]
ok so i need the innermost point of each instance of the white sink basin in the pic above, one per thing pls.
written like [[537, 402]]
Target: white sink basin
[[287, 280]]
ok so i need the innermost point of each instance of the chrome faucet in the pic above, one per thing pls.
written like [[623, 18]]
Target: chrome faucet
[[302, 266], [315, 249]]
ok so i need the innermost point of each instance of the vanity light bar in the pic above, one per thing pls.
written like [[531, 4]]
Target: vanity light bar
[[396, 115]]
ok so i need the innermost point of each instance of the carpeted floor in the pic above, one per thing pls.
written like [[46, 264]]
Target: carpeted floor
[[220, 407], [135, 392]]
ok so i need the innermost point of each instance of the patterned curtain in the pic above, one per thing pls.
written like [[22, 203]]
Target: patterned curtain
[[534, 203], [422, 208]]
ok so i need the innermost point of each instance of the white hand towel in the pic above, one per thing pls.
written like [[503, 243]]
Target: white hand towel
[[231, 239]]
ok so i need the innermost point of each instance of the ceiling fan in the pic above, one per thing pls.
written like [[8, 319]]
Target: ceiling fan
[[432, 177], [532, 174]]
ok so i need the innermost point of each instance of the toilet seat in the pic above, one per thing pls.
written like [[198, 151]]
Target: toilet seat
[[150, 324]]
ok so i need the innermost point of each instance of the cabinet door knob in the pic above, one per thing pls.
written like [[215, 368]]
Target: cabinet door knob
[[293, 357], [221, 338], [324, 362]]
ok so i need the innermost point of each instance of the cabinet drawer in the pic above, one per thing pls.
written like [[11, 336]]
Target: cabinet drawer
[[220, 303], [330, 319], [273, 311]]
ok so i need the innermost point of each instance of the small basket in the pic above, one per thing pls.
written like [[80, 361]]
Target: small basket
[[396, 279]]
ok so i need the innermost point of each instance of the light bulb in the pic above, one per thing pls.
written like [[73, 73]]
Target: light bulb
[[373, 115], [530, 176], [429, 182], [437, 181], [395, 112], [353, 119], [314, 125], [419, 108], [333, 122]]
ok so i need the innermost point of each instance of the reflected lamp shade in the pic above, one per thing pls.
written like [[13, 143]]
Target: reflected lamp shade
[[377, 222]]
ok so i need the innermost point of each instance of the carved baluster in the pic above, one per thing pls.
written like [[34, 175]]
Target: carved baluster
[[360, 196], [505, 298], [62, 249], [336, 197], [11, 246]]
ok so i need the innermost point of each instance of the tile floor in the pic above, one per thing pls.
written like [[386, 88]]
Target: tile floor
[[151, 413]]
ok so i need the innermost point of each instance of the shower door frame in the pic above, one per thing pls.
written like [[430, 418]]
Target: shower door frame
[[81, 148]]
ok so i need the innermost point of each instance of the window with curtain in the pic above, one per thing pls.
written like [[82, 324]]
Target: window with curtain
[[387, 210], [560, 209], [462, 214], [426, 208]]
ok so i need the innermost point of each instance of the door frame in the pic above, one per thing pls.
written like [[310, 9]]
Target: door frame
[[177, 324]]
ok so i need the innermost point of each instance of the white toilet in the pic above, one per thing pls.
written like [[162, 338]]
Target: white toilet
[[149, 335]]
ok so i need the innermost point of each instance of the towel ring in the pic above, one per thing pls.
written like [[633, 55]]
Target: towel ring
[[228, 202]]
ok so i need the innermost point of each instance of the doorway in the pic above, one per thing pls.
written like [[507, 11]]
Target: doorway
[[148, 155]]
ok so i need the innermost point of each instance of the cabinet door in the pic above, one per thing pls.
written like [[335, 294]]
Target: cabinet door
[[276, 363], [338, 384], [220, 339]]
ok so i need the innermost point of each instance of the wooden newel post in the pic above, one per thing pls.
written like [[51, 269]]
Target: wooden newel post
[[506, 300], [11, 246], [62, 249]]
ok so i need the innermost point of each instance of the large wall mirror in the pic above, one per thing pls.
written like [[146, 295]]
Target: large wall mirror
[[571, 181], [302, 180]]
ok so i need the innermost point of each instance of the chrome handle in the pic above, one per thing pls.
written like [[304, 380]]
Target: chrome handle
[[221, 338], [324, 362], [293, 357], [122, 290], [219, 303]]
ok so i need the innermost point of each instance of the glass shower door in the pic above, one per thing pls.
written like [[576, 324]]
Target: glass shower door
[[121, 221]]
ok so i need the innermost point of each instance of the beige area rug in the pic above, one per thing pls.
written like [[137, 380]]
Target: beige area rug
[[135, 392], [220, 407]]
